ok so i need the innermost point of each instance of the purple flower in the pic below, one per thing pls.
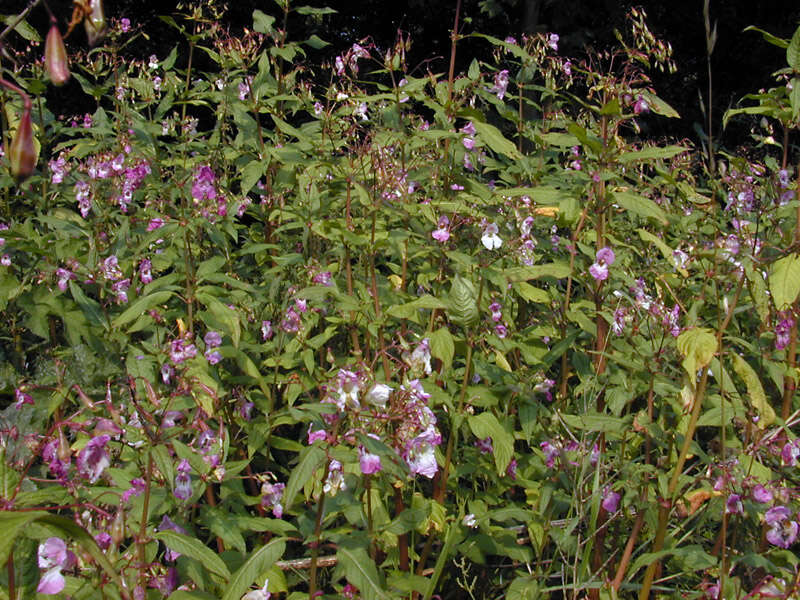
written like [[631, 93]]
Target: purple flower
[[497, 311], [125, 24], [501, 331], [484, 445], [266, 330], [58, 467], [790, 453], [203, 185], [641, 106], [271, 496], [145, 273], [315, 436], [136, 489], [500, 84], [369, 463], [93, 459], [183, 482], [442, 234], [783, 332], [212, 356], [550, 453], [156, 223], [212, 339], [761, 494], [511, 469], [733, 505], [21, 398], [421, 459], [334, 482], [599, 269], [53, 553], [552, 41], [610, 500], [323, 278], [567, 68], [52, 582], [181, 350], [103, 540], [783, 531]]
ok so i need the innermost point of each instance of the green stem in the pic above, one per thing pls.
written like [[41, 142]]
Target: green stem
[[666, 505], [140, 542], [312, 577]]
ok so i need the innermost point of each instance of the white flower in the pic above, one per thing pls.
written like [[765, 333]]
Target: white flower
[[490, 239], [379, 395]]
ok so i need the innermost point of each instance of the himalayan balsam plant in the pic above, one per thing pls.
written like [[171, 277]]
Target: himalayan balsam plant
[[278, 326]]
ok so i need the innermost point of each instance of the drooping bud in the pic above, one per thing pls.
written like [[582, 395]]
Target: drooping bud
[[22, 153], [118, 527], [95, 22], [55, 57], [64, 452]]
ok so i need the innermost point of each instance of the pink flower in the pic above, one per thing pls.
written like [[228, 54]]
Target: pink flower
[[500, 83], [369, 463], [183, 482], [610, 500], [52, 582], [316, 436], [599, 269], [641, 106], [552, 41], [271, 496], [761, 494], [94, 459], [783, 531]]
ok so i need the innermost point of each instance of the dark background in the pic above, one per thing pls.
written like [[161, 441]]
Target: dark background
[[742, 61]]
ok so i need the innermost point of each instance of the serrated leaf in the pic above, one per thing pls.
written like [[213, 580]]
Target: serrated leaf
[[463, 302], [194, 548], [653, 152], [442, 346], [140, 306], [697, 345], [495, 140], [558, 270], [262, 22], [486, 425], [793, 51], [784, 281], [360, 570], [259, 562], [755, 390], [641, 206], [310, 460], [11, 524]]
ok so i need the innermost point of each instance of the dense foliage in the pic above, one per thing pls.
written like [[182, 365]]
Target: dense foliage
[[455, 335]]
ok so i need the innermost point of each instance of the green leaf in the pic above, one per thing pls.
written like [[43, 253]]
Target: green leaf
[[259, 562], [91, 309], [310, 460], [262, 22], [411, 310], [793, 51], [758, 291], [658, 106], [486, 425], [227, 317], [463, 308], [442, 347], [604, 423], [140, 306], [525, 587], [698, 346], [639, 205], [558, 270], [651, 153], [11, 524], [194, 548], [772, 39], [784, 281], [494, 139], [531, 293], [360, 570], [755, 390]]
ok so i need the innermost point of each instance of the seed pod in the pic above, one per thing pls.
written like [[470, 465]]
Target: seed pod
[[95, 22], [55, 57], [22, 153]]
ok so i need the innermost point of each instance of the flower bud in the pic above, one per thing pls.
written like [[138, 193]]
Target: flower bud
[[22, 153], [118, 527], [64, 451], [95, 22], [55, 57]]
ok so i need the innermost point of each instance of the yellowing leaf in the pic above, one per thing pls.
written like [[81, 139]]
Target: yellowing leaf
[[754, 390], [697, 345], [784, 281]]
